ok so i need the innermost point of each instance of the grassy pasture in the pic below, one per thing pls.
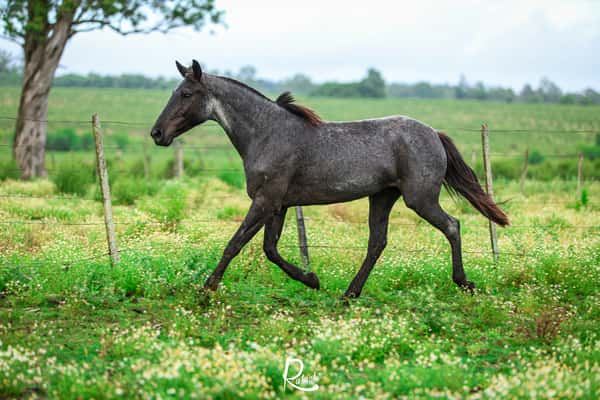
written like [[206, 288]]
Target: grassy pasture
[[72, 326]]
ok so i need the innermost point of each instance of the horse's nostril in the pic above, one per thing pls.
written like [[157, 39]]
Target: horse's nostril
[[156, 133]]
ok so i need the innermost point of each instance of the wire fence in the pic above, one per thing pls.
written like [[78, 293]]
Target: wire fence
[[529, 253], [212, 123], [211, 147]]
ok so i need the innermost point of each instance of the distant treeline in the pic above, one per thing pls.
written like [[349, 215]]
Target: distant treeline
[[372, 85], [128, 81]]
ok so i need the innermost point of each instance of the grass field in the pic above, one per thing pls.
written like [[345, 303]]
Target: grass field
[[73, 326]]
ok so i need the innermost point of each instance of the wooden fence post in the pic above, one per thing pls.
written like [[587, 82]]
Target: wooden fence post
[[104, 186], [302, 238], [524, 171], [487, 165], [178, 159], [146, 160], [579, 175]]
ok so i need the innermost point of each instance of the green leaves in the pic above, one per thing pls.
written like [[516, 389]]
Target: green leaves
[[36, 18]]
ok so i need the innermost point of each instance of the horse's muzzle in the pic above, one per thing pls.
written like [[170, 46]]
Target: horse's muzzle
[[160, 138]]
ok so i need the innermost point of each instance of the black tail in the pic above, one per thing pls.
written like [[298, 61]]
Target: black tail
[[461, 179]]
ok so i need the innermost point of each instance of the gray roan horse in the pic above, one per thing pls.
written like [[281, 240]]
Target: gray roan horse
[[291, 157]]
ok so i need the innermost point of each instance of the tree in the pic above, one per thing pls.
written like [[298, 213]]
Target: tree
[[9, 71], [43, 28], [247, 74], [299, 83], [373, 85], [462, 89], [529, 95], [550, 92]]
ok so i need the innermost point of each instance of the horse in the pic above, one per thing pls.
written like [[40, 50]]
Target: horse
[[292, 157]]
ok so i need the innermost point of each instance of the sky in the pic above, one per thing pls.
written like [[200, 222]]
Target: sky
[[503, 42]]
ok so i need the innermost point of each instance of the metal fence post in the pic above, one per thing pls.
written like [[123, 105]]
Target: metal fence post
[[105, 187]]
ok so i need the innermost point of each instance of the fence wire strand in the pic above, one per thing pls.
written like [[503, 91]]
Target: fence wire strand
[[67, 263]]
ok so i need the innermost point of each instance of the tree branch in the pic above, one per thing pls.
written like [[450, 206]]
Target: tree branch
[[13, 39]]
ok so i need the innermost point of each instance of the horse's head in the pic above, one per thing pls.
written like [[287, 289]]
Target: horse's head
[[188, 106]]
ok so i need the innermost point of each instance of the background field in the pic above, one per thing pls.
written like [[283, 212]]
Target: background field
[[71, 325]]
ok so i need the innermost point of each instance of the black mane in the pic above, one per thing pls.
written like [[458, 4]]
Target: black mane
[[286, 101]]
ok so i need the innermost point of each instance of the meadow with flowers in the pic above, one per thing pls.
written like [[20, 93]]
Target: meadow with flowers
[[74, 326]]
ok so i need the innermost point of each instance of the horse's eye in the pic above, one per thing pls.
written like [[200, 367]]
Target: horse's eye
[[186, 94]]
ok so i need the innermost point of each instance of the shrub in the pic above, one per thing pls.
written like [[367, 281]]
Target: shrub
[[508, 169], [119, 139], [9, 169], [136, 168], [73, 177], [168, 206], [233, 178], [535, 157], [64, 139], [230, 213], [591, 152], [584, 197], [127, 190]]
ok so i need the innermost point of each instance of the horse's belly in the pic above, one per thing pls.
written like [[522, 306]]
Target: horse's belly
[[328, 190]]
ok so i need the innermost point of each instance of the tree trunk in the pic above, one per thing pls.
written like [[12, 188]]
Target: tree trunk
[[42, 54]]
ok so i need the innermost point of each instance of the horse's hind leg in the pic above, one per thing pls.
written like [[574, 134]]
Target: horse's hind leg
[[426, 204], [273, 229], [380, 205]]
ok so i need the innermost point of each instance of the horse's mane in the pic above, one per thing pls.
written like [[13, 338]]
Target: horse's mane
[[286, 101]]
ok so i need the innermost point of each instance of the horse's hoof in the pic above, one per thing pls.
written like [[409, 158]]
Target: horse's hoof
[[312, 281], [468, 286], [211, 284], [350, 295]]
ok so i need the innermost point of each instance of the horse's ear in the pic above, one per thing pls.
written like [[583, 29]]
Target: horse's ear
[[182, 70], [197, 70]]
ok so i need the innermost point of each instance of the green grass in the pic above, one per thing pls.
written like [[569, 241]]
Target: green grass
[[143, 106], [141, 329], [73, 326]]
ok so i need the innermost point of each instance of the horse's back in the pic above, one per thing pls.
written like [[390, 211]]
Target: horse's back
[[341, 161]]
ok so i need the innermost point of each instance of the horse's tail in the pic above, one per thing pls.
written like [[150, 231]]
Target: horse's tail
[[461, 179]]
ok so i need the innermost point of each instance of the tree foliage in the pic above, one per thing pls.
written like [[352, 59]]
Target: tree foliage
[[21, 18], [9, 70], [372, 85]]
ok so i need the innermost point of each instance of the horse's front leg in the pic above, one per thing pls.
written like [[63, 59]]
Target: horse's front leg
[[255, 219]]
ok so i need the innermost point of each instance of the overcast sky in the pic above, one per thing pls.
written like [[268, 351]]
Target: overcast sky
[[499, 42]]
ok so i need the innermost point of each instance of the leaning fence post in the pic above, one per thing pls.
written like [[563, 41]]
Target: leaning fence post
[[487, 165], [146, 160], [579, 175], [178, 159], [524, 171], [104, 186], [302, 238]]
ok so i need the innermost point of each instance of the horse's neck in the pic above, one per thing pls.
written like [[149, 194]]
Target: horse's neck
[[243, 114]]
